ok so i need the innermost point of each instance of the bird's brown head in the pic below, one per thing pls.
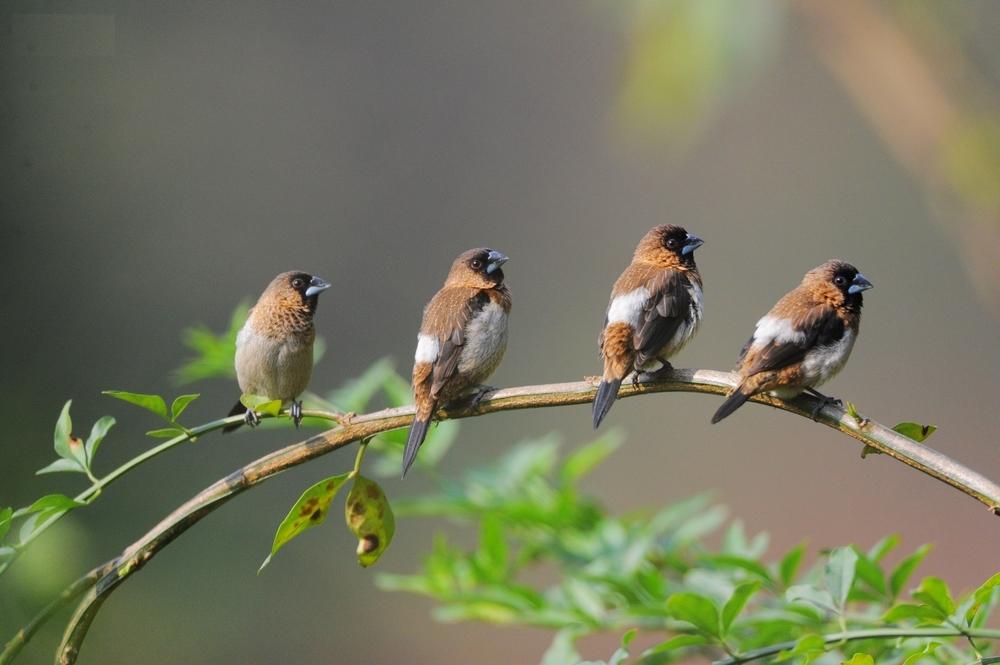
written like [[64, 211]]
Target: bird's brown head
[[295, 291], [837, 283], [668, 246], [478, 268]]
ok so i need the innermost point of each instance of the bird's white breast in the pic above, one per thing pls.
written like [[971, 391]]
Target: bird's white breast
[[270, 367], [485, 342], [823, 362]]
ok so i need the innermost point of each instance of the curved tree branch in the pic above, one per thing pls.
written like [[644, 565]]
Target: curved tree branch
[[868, 432]]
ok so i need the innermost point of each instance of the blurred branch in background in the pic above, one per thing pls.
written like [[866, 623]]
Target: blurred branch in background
[[906, 67], [945, 135]]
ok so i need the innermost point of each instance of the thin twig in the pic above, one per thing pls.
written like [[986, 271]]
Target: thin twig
[[848, 636], [139, 553]]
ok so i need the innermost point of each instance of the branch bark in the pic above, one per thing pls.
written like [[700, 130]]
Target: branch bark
[[111, 574]]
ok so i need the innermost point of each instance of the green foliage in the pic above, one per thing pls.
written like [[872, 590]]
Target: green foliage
[[915, 431], [213, 353], [654, 572], [157, 405], [310, 510], [370, 518]]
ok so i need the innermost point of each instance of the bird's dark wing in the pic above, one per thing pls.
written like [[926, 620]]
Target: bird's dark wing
[[669, 305], [446, 318], [820, 326]]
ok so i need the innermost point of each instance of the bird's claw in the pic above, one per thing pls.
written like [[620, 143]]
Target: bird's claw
[[296, 413], [479, 394], [652, 377], [823, 400], [251, 418]]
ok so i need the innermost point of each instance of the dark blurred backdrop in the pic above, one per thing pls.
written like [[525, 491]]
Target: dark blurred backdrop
[[159, 162]]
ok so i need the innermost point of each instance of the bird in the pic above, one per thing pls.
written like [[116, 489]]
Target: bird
[[654, 310], [462, 339], [274, 349], [804, 340]]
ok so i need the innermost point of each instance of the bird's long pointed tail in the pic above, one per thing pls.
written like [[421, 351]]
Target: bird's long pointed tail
[[418, 430], [237, 410], [735, 400], [607, 391]]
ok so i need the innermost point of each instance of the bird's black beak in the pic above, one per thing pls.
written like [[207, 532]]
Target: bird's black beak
[[859, 284], [316, 286], [692, 243], [496, 259]]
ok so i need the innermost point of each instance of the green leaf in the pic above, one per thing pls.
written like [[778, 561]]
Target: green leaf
[[48, 503], [789, 566], [934, 593], [880, 549], [370, 518], [915, 656], [62, 465], [821, 598], [736, 602], [852, 411], [97, 434], [152, 403], [980, 596], [698, 610], [859, 659], [675, 642], [310, 510], [180, 403], [915, 431], [6, 517], [905, 569], [732, 561], [808, 648], [63, 433], [264, 406], [839, 574], [922, 614], [492, 553], [869, 572], [165, 432], [621, 654], [213, 353], [586, 459]]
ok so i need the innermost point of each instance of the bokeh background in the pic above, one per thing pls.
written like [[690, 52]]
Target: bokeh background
[[162, 161]]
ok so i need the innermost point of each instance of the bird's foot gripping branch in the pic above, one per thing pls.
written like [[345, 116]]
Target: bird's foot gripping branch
[[369, 515]]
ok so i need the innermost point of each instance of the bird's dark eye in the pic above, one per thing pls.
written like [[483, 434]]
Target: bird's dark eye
[[476, 264], [840, 280], [298, 283], [672, 243]]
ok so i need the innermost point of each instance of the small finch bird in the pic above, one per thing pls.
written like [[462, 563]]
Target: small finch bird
[[654, 311], [462, 339], [274, 349], [804, 340]]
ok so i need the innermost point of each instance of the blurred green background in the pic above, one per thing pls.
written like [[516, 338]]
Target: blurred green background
[[162, 161]]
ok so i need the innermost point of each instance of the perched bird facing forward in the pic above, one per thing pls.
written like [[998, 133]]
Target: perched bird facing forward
[[654, 311], [274, 349], [804, 340], [462, 339]]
